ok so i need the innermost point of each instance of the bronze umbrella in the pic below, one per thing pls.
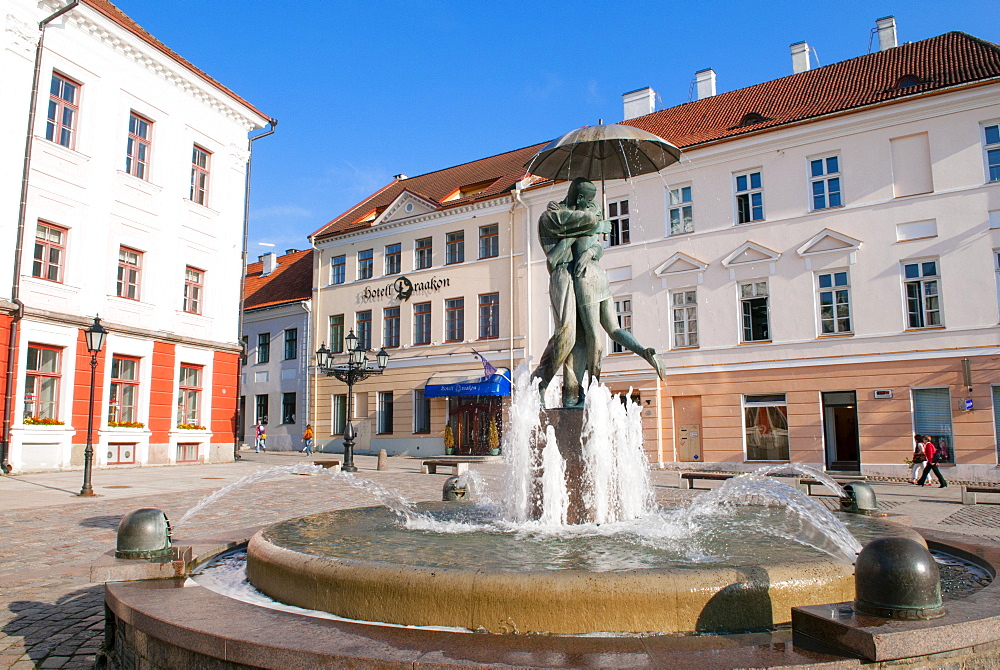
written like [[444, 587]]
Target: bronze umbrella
[[603, 152]]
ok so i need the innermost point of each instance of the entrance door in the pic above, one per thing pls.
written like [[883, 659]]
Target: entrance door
[[840, 431], [470, 422]]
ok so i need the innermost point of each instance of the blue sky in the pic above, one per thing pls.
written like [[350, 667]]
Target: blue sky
[[366, 90]]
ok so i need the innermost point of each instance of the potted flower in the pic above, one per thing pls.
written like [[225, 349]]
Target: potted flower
[[493, 438], [190, 426], [126, 424], [449, 441], [42, 421]]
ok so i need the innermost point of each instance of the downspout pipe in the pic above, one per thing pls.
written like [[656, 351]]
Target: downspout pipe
[[273, 123], [15, 289]]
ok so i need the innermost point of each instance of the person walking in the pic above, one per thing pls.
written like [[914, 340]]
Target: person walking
[[307, 439], [934, 456], [919, 458], [260, 430]]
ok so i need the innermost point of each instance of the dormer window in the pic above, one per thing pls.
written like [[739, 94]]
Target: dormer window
[[370, 215], [752, 119], [469, 190], [908, 81]]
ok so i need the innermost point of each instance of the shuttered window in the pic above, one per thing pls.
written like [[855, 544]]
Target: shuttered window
[[932, 416]]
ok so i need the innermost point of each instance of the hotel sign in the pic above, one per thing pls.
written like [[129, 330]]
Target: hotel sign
[[402, 288]]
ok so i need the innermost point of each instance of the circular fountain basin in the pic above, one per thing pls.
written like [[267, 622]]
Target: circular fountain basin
[[362, 564]]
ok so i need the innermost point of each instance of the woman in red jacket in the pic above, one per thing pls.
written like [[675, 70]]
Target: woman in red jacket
[[932, 460]]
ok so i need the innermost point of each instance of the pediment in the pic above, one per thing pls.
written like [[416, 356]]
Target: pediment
[[751, 252], [827, 241], [405, 205], [679, 263]]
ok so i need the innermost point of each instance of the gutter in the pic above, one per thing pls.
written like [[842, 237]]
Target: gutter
[[15, 289], [243, 282]]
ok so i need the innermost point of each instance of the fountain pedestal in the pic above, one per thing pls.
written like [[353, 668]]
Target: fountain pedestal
[[567, 423]]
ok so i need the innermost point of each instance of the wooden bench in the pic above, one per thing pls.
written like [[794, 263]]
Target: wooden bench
[[969, 493], [809, 482], [688, 478], [328, 463], [457, 467]]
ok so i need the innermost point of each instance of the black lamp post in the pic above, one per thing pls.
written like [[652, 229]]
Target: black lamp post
[[355, 370], [96, 335]]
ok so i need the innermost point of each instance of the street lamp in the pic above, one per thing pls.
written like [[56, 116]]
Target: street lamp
[[355, 370], [96, 335]]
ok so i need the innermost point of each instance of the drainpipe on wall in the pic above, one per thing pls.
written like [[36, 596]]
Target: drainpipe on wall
[[15, 289], [516, 197], [243, 280], [527, 275]]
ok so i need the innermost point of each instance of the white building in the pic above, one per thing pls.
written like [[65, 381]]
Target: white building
[[820, 273], [133, 212]]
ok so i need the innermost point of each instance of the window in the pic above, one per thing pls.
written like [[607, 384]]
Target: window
[[684, 315], [421, 412], [124, 390], [338, 419], [291, 343], [187, 452], [834, 303], [129, 273], [261, 406], [680, 210], [923, 301], [424, 252], [489, 241], [454, 248], [41, 382], [50, 252], [337, 333], [137, 152], [824, 179], [753, 307], [199, 175], [996, 268], [244, 349], [193, 284], [263, 347], [338, 269], [364, 324], [454, 319], [287, 408], [384, 412], [618, 216], [765, 423], [911, 165], [992, 148], [422, 323], [489, 316], [996, 419], [393, 254], [366, 264], [189, 396], [623, 314], [390, 327], [932, 416], [749, 198], [63, 107]]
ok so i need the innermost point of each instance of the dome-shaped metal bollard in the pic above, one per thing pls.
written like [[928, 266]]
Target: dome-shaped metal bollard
[[897, 578], [452, 490], [144, 533], [860, 499]]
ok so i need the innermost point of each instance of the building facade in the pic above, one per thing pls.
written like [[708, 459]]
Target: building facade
[[819, 273], [132, 210], [277, 337]]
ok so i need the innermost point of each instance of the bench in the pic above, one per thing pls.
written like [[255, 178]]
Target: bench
[[329, 464], [688, 478], [969, 493], [809, 482], [800, 483], [457, 467]]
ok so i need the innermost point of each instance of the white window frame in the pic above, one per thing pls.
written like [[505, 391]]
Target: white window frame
[[761, 400], [677, 203], [749, 192], [824, 179], [620, 223], [343, 270], [833, 289], [690, 335], [754, 284], [922, 280], [418, 400], [990, 146], [623, 317]]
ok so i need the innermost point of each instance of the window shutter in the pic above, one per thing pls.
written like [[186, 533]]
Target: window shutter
[[932, 412], [996, 418]]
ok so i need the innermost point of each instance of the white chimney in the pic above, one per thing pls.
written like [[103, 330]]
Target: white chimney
[[886, 27], [800, 57], [704, 83], [270, 263], [638, 103]]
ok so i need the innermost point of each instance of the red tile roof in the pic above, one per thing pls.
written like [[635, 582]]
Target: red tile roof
[[949, 60], [290, 282], [122, 19]]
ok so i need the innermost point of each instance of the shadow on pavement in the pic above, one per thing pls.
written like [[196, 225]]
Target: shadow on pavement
[[106, 521], [44, 486], [72, 627]]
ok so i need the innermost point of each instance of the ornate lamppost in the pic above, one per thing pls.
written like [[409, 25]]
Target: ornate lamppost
[[96, 335], [355, 370]]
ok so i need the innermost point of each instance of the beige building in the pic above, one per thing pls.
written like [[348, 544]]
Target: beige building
[[819, 274]]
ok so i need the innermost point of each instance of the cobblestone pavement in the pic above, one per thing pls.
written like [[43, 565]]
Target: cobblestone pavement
[[52, 615]]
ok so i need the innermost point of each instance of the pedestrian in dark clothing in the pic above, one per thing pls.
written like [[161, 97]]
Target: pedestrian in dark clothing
[[933, 457]]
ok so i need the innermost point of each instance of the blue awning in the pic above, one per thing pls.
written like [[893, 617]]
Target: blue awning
[[443, 384]]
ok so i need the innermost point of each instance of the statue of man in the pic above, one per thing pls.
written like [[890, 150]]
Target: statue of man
[[579, 292]]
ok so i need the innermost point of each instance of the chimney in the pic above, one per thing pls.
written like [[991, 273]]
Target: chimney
[[638, 103], [800, 57], [291, 251], [399, 177], [704, 83], [270, 261], [886, 27]]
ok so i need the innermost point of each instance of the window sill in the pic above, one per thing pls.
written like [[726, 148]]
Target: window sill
[[139, 182], [827, 336], [454, 263], [688, 348], [923, 330], [826, 209], [71, 154], [756, 342]]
